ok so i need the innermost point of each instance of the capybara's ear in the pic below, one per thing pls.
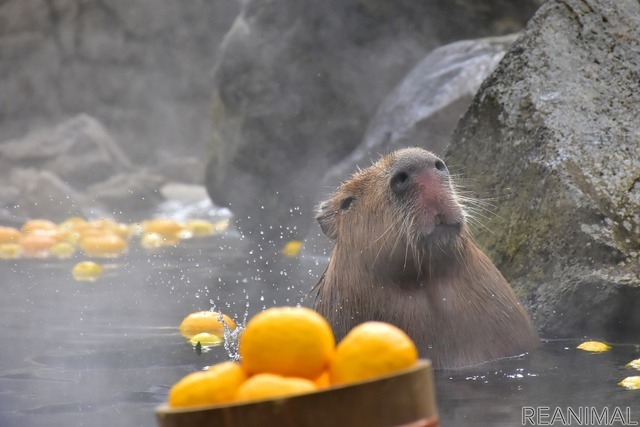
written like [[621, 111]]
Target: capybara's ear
[[327, 219]]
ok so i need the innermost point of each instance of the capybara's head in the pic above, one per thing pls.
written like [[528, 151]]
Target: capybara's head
[[403, 208]]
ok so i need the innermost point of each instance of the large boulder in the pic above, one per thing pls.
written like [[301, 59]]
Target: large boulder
[[551, 144], [80, 151], [78, 168], [424, 109], [297, 81]]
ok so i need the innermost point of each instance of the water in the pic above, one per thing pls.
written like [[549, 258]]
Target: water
[[105, 353]]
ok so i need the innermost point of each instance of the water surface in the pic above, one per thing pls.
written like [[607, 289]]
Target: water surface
[[105, 353]]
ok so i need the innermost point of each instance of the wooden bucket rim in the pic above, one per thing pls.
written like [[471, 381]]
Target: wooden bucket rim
[[421, 364]]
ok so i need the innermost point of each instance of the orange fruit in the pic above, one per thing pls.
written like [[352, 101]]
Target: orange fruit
[[105, 245], [323, 381], [167, 228], [210, 322], [36, 244], [86, 271], [269, 386], [218, 384], [9, 235], [372, 349], [10, 251], [200, 227], [39, 224], [63, 250], [594, 346], [292, 248], [288, 341]]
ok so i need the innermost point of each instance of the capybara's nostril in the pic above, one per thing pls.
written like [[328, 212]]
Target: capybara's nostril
[[400, 182], [440, 165]]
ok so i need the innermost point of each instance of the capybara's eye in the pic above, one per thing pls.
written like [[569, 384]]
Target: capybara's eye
[[346, 203]]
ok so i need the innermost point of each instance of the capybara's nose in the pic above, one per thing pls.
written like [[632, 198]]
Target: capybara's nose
[[402, 177]]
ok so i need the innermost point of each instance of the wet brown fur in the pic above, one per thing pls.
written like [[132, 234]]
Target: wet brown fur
[[394, 261]]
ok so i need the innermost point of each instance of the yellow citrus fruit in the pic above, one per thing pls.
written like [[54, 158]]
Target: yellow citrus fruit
[[210, 322], [634, 364], [38, 224], [152, 241], [631, 383], [63, 250], [10, 251], [205, 339], [9, 235], [594, 346], [221, 226], [199, 227], [292, 248], [106, 245], [269, 386], [218, 384], [167, 228], [289, 341], [36, 244], [324, 380], [86, 271], [372, 349]]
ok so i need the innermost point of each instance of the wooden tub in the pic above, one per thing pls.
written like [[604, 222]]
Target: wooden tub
[[405, 398]]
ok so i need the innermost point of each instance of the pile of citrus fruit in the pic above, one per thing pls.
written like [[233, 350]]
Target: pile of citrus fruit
[[291, 350], [103, 238]]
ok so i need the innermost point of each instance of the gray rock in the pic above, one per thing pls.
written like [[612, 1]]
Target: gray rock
[[40, 194], [79, 151], [129, 195], [552, 141], [143, 68], [77, 168], [425, 107], [297, 81]]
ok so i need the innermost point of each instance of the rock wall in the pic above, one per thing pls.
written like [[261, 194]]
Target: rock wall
[[143, 68], [552, 143]]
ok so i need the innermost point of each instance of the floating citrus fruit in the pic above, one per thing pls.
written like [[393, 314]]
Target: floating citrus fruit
[[199, 227], [634, 364], [220, 226], [594, 346], [167, 228], [205, 321], [63, 250], [631, 383], [38, 224], [289, 341], [206, 339], [372, 349], [152, 241], [105, 245], [292, 248], [37, 244], [10, 251], [9, 235], [86, 271], [218, 384], [323, 381], [269, 386]]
